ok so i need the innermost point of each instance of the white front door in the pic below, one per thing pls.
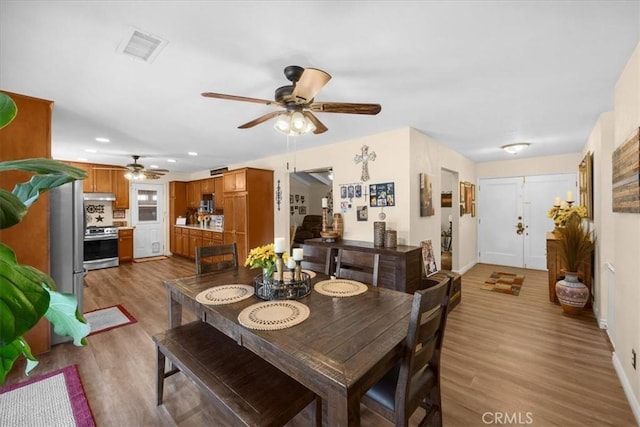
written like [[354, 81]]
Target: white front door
[[503, 203], [146, 216]]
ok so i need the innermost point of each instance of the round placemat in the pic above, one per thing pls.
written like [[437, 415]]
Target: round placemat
[[287, 275], [273, 315], [340, 288], [225, 294]]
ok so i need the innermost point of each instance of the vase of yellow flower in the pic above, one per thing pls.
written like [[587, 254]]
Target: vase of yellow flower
[[561, 214], [263, 257]]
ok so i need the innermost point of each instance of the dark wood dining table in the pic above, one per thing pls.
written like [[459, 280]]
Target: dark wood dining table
[[343, 347]]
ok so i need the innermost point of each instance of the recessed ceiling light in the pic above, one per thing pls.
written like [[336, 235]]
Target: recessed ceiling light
[[192, 153], [515, 148], [101, 139], [171, 160], [154, 166], [83, 159], [90, 150]]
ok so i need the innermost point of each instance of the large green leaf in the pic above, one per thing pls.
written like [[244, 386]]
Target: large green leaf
[[8, 110], [10, 352], [12, 210], [23, 301], [66, 319]]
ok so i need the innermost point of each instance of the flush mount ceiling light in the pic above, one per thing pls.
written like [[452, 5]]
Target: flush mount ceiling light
[[515, 148], [294, 123]]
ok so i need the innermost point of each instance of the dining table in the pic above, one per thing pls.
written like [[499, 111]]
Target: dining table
[[343, 347]]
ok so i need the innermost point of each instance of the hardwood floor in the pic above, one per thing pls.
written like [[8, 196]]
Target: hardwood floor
[[508, 356]]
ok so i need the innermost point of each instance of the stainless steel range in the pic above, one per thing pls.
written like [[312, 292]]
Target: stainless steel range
[[100, 247]]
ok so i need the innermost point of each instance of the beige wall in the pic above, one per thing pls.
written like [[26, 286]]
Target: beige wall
[[527, 166], [626, 235]]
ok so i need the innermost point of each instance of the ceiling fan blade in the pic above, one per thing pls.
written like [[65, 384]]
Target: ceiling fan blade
[[320, 127], [310, 83], [237, 98], [259, 120], [345, 107]]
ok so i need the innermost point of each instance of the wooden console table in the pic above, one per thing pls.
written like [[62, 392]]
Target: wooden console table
[[400, 267], [555, 267]]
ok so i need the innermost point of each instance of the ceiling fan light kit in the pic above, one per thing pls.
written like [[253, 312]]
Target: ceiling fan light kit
[[298, 101], [515, 148]]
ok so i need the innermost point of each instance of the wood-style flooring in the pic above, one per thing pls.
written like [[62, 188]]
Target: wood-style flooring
[[507, 360]]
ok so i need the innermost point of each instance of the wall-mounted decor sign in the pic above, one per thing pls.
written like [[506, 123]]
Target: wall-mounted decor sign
[[364, 158], [625, 176], [382, 194], [585, 183], [426, 196]]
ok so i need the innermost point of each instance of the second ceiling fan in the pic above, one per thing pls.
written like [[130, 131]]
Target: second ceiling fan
[[297, 99]]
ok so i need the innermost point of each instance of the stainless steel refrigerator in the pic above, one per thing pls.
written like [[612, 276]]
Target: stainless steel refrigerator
[[66, 242]]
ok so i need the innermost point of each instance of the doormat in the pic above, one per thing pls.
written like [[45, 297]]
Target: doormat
[[105, 319], [53, 399], [506, 283], [152, 258]]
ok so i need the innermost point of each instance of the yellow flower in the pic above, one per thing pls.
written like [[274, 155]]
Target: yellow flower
[[263, 257], [561, 214]]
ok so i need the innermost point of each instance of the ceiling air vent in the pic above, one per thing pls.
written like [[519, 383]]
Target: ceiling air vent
[[141, 45], [218, 172]]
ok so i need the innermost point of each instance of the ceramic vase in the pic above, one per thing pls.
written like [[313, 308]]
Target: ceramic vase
[[572, 294]]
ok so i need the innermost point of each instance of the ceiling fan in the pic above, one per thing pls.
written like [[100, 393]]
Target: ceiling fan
[[136, 171], [298, 102]]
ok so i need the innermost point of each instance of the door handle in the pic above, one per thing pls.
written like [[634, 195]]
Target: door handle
[[519, 228]]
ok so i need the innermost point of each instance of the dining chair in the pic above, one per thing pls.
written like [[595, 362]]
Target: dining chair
[[415, 380], [216, 258], [357, 265], [316, 259]]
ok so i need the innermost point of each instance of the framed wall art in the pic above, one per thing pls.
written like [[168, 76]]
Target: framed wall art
[[381, 195], [585, 183], [467, 198], [625, 178], [426, 196]]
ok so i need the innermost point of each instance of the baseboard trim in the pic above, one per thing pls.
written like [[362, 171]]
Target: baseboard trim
[[626, 386]]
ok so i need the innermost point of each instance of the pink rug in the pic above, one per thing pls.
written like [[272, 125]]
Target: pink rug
[[56, 399]]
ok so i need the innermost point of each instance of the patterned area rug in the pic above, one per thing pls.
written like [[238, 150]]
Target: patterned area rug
[[506, 283], [105, 319], [53, 399]]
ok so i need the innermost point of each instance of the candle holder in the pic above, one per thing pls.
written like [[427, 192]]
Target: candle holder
[[327, 234], [297, 271], [570, 203], [279, 274]]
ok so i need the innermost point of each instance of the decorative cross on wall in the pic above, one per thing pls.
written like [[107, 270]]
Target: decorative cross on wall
[[364, 158]]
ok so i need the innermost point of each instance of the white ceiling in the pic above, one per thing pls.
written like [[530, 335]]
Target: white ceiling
[[474, 75]]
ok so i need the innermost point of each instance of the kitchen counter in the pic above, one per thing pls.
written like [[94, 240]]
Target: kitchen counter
[[199, 227]]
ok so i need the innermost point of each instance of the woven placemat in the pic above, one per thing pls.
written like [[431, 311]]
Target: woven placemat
[[340, 288], [273, 315], [225, 294]]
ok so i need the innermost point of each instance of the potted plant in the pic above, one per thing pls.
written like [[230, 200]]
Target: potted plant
[[574, 248], [27, 294]]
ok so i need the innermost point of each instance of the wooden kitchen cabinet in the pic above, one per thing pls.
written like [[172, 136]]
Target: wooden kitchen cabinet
[[218, 191], [248, 213], [29, 136], [195, 240], [102, 179], [125, 245], [87, 183], [206, 186], [177, 207], [121, 190], [236, 180], [211, 238], [193, 194]]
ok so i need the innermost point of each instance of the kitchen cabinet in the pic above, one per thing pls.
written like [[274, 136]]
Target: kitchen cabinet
[[177, 207], [87, 183], [236, 180], [206, 186], [102, 179], [29, 136], [248, 214], [195, 240], [218, 190], [193, 194], [125, 245], [121, 190], [211, 238]]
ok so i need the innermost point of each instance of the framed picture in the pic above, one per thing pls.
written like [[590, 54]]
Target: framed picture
[[302, 210], [381, 195], [428, 257], [467, 198], [358, 190], [446, 199], [343, 191], [363, 214], [585, 183], [426, 196]]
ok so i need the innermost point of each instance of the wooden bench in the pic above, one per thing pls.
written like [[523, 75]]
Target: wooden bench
[[244, 387]]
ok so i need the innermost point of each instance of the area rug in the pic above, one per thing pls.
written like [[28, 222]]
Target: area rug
[[53, 399], [506, 283], [105, 319], [152, 258]]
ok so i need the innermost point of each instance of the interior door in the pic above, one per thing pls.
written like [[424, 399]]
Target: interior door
[[147, 217], [513, 220], [500, 210]]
